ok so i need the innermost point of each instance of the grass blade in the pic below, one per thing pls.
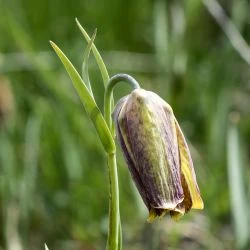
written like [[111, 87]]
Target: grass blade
[[31, 155], [236, 187]]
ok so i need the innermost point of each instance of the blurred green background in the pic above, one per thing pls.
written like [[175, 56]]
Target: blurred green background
[[53, 173]]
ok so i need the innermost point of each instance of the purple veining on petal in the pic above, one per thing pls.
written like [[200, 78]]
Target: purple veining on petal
[[138, 133], [118, 107], [133, 171]]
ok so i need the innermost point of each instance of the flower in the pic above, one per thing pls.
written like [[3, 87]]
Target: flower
[[157, 154]]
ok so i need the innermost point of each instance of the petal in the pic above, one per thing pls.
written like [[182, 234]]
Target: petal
[[118, 107], [122, 131], [154, 149], [191, 189], [155, 213]]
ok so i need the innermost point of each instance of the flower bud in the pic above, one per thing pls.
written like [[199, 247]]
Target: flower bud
[[157, 154]]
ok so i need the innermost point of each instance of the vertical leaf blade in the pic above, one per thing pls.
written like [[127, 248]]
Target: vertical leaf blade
[[85, 63], [99, 60], [236, 187], [88, 102]]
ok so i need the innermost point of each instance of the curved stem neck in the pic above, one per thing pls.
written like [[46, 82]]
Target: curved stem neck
[[109, 90]]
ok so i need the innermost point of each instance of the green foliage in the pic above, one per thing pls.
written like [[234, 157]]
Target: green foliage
[[88, 102]]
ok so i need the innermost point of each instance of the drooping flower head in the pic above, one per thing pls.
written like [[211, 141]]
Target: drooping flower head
[[157, 154]]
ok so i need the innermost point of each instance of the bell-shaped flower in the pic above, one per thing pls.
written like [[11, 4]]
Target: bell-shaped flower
[[157, 154]]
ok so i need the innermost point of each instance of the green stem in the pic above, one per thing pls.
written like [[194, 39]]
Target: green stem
[[114, 235], [109, 90], [120, 235], [114, 215]]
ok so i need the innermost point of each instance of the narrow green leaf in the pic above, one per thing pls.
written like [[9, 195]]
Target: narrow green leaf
[[31, 155], [88, 102], [237, 192], [99, 60], [46, 248], [85, 64]]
